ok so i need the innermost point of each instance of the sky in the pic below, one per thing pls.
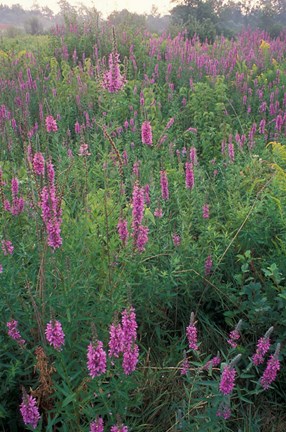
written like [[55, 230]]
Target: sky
[[105, 6]]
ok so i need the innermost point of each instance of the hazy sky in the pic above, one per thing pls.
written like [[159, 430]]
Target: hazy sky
[[105, 6]]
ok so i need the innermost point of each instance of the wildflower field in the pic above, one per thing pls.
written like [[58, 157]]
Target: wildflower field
[[143, 232]]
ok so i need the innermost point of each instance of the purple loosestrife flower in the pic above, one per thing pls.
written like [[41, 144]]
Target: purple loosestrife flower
[[270, 373], [122, 228], [215, 361], [176, 240], [113, 81], [231, 152], [29, 411], [141, 238], [146, 133], [1, 268], [190, 178], [224, 411], [14, 333], [192, 334], [51, 124], [83, 150], [115, 340], [262, 348], [7, 247], [164, 185], [39, 164], [117, 428], [208, 265], [97, 425], [96, 359], [55, 335], [137, 206], [147, 194], [130, 359], [129, 327], [206, 211], [193, 155], [158, 212], [170, 123], [227, 381], [185, 365], [234, 335]]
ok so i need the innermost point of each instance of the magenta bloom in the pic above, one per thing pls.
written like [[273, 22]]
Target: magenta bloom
[[262, 348], [116, 340], [206, 212], [51, 124], [113, 81], [117, 428], [208, 265], [55, 335], [137, 206], [170, 123], [231, 152], [83, 150], [30, 411], [224, 411], [185, 366], [270, 373], [227, 380], [7, 247], [193, 156], [129, 327], [39, 164], [14, 333], [164, 185], [1, 268], [130, 359], [97, 425], [158, 212], [141, 238], [192, 334], [146, 133], [233, 338], [215, 361], [190, 178], [96, 359], [122, 228], [176, 240]]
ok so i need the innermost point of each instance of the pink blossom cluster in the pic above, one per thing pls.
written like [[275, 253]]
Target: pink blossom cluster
[[7, 247], [146, 133], [123, 338], [119, 428], [51, 211], [51, 124], [55, 335], [192, 334], [39, 164], [272, 368], [164, 185], [227, 381], [140, 232], [113, 81], [14, 333], [17, 205], [190, 177], [30, 411], [96, 359], [97, 425]]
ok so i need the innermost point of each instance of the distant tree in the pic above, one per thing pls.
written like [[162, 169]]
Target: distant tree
[[125, 18], [33, 25]]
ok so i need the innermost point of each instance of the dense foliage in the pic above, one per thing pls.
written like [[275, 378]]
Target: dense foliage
[[142, 182]]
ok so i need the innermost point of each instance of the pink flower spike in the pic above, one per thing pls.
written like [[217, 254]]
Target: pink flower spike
[[96, 359], [7, 247], [39, 164], [117, 428], [97, 425], [272, 368], [14, 333], [191, 332], [262, 348], [51, 124], [130, 359], [146, 133], [30, 411], [234, 335], [55, 335], [227, 383], [224, 411]]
